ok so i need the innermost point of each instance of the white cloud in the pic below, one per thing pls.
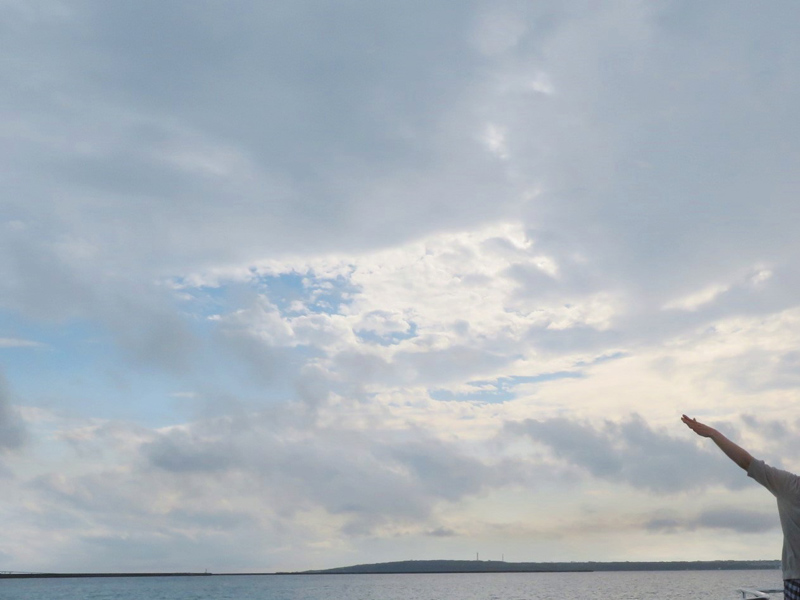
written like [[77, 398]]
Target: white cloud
[[452, 300], [497, 31], [754, 278], [18, 343], [697, 299], [495, 140], [541, 83]]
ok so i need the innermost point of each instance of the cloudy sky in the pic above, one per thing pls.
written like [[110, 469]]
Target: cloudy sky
[[301, 284]]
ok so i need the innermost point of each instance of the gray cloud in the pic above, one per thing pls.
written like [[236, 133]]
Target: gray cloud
[[204, 136], [12, 429], [58, 280], [776, 430], [579, 444], [181, 451], [172, 137], [371, 478], [759, 370], [423, 367], [660, 206], [223, 480], [743, 521], [442, 532], [314, 125], [208, 135], [132, 550], [777, 438], [631, 452], [663, 524], [721, 517]]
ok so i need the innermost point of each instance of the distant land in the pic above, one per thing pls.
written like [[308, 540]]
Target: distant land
[[497, 566], [21, 575], [457, 566]]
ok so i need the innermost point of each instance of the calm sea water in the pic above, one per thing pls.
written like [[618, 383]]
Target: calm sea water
[[684, 585]]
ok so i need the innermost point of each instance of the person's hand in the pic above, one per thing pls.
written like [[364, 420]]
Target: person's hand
[[699, 428]]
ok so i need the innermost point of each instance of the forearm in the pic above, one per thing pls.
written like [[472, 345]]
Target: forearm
[[733, 451]]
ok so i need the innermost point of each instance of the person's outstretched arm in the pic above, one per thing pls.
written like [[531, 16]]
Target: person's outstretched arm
[[736, 453]]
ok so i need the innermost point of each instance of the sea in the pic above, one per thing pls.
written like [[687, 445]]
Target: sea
[[636, 585]]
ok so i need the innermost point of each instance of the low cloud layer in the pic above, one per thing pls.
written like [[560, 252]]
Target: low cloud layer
[[631, 452], [289, 475], [730, 519], [368, 478]]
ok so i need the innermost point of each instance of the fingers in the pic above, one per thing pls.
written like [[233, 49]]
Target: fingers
[[693, 424], [699, 428]]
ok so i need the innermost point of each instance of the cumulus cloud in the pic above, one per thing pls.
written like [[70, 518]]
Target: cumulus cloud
[[417, 314], [294, 476], [631, 452], [369, 478]]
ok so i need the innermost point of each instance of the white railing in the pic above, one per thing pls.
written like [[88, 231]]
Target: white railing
[[754, 594]]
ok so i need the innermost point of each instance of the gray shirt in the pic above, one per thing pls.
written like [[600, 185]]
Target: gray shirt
[[785, 487]]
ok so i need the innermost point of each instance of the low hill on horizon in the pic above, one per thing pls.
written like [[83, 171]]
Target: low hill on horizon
[[496, 566]]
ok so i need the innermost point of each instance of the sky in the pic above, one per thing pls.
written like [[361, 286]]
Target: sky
[[302, 284]]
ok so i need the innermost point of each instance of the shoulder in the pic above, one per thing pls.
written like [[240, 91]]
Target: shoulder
[[777, 480]]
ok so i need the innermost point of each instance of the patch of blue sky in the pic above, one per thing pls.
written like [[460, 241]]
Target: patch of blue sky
[[389, 339], [206, 301], [499, 390], [303, 291], [77, 369], [292, 293], [74, 360], [284, 291], [43, 344], [602, 359], [493, 395], [15, 327]]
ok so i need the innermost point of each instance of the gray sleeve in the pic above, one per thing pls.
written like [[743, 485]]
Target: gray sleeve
[[780, 483]]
